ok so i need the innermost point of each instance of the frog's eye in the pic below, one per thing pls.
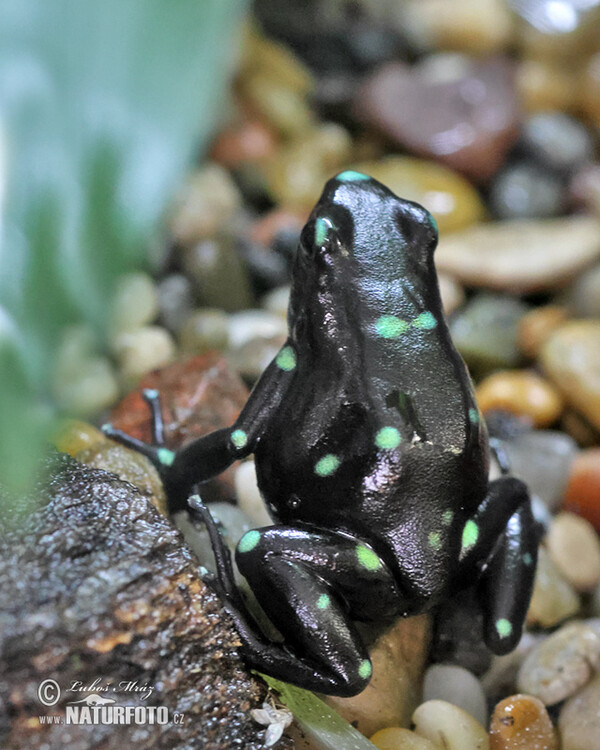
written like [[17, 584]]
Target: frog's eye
[[319, 234], [417, 227], [324, 230]]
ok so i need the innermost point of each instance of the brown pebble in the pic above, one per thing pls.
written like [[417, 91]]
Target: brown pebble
[[521, 722], [579, 721], [583, 490], [574, 546], [522, 393], [73, 436], [537, 325], [248, 142]]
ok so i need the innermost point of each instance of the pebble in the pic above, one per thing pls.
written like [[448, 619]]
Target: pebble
[[523, 393], [491, 255], [545, 86], [537, 325], [396, 738], [250, 325], [557, 141], [253, 357], [456, 685], [449, 727], [134, 303], [267, 269], [571, 359], [248, 141], [266, 229], [574, 547], [398, 659], [579, 720], [175, 300], [525, 190], [453, 201], [141, 351], [485, 332], [198, 395], [590, 89], [583, 489], [477, 27], [205, 330], [584, 188], [452, 293], [277, 300], [521, 722], [219, 276], [501, 677], [73, 436], [248, 495], [207, 202], [464, 112], [583, 296], [561, 664], [554, 599], [128, 465]]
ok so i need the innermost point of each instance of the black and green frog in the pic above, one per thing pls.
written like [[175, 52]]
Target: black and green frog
[[371, 456]]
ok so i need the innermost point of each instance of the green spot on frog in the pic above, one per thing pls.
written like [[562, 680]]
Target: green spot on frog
[[435, 540], [447, 517], [527, 559], [165, 456], [474, 415], [322, 228], [503, 627], [390, 327], [365, 669], [249, 541], [426, 321], [351, 176], [286, 359], [388, 438], [470, 535], [239, 438], [327, 465], [324, 601], [367, 558]]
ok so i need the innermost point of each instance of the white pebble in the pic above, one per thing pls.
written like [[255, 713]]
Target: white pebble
[[449, 727], [248, 495], [141, 351], [456, 685], [134, 303]]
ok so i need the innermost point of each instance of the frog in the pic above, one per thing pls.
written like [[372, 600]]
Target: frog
[[371, 455]]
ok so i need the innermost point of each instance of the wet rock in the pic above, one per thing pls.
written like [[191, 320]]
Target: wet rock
[[523, 393], [543, 460], [485, 332], [449, 727], [574, 547], [557, 141], [456, 685], [579, 721], [142, 350], [583, 489], [198, 396], [206, 202], [561, 664], [398, 659], [491, 255], [120, 600], [554, 599], [571, 359], [134, 303], [470, 26], [537, 325], [205, 330], [463, 113], [527, 191], [521, 722], [220, 278], [175, 300]]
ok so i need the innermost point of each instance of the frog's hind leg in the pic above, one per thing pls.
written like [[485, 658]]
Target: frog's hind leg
[[500, 543]]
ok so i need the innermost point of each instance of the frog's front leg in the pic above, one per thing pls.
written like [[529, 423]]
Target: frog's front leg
[[499, 544], [312, 584]]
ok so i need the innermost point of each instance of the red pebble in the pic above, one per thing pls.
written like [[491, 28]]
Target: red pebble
[[249, 142], [583, 491], [198, 395]]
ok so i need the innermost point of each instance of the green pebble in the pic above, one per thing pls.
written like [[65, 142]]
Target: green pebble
[[435, 540], [368, 558], [351, 176], [239, 438], [390, 327], [286, 359], [425, 321], [327, 465], [165, 456], [388, 438], [324, 601], [503, 628], [249, 541], [470, 535], [366, 669]]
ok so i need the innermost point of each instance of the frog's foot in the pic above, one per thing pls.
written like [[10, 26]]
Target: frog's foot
[[501, 542]]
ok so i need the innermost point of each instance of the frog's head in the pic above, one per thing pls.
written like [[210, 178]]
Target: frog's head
[[363, 247]]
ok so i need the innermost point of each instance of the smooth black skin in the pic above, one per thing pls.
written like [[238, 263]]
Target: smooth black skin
[[409, 503]]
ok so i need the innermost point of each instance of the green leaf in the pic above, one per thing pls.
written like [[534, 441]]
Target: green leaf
[[102, 107], [322, 725]]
